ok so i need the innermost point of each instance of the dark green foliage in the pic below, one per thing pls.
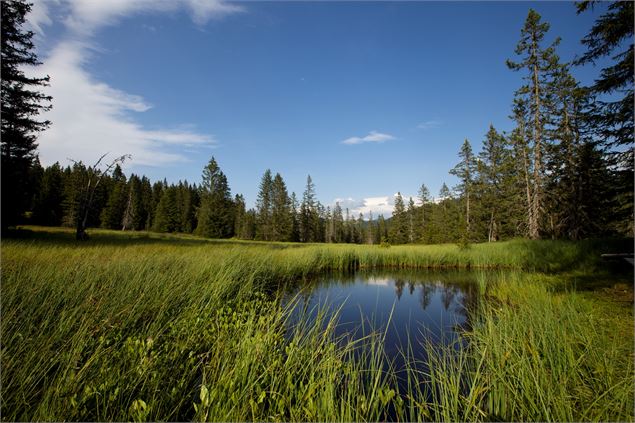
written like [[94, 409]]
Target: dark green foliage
[[399, 222], [295, 221], [496, 188], [309, 215], [245, 220], [47, 208], [73, 185], [281, 220], [168, 214], [21, 103], [215, 214], [264, 205], [533, 98], [113, 214], [465, 170], [611, 114]]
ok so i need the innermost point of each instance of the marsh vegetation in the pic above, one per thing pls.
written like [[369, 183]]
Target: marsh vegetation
[[156, 327]]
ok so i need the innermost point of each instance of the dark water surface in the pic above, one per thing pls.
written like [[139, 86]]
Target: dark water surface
[[409, 307]]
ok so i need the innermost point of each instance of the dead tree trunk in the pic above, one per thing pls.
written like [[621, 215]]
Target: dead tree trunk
[[95, 176]]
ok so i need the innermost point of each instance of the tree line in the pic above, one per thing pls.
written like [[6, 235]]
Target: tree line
[[564, 171]]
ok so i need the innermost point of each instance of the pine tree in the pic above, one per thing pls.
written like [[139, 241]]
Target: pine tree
[[215, 214], [21, 103]]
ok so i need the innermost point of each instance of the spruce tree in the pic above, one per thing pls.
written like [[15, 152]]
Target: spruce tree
[[382, 230], [423, 198], [612, 116], [361, 229], [215, 217], [494, 184], [295, 228], [21, 103], [281, 220], [264, 208], [465, 170], [167, 217], [47, 209], [399, 222], [339, 234], [539, 63], [112, 215], [309, 215], [129, 211], [444, 224], [239, 216], [411, 213]]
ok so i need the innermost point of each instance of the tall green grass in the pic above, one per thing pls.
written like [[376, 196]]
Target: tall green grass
[[531, 356], [138, 327]]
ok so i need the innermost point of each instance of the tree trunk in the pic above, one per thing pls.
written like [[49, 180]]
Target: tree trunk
[[534, 224]]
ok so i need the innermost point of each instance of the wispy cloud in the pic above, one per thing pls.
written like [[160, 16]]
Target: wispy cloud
[[39, 16], [90, 117], [373, 136], [86, 16], [430, 124]]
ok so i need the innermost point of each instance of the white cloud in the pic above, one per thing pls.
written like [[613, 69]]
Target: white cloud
[[383, 205], [373, 136], [430, 124], [376, 205], [86, 16], [39, 17], [378, 281], [89, 117]]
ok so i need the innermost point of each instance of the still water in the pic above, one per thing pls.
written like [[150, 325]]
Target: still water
[[409, 307]]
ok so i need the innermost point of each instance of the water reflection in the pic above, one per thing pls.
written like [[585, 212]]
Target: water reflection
[[412, 307]]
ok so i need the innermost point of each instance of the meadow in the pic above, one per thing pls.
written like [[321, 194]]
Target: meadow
[[148, 327]]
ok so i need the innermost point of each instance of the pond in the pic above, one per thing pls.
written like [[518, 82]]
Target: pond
[[409, 307]]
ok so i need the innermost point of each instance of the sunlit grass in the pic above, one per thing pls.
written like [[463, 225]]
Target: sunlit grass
[[158, 327]]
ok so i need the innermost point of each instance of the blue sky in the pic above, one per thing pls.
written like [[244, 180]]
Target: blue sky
[[370, 98]]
